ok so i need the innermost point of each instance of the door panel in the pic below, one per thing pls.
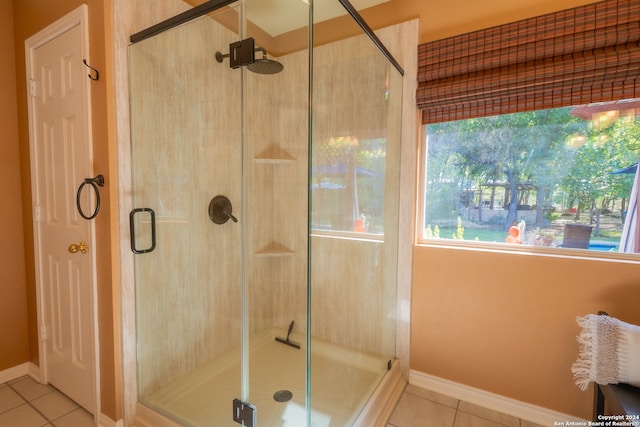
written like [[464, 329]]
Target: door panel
[[186, 149], [212, 296], [61, 150]]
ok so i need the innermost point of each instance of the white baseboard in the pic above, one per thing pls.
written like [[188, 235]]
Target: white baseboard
[[34, 372], [21, 370], [13, 373], [104, 421], [505, 405], [146, 417]]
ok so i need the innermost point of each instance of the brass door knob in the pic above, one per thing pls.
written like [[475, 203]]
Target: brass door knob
[[82, 248]]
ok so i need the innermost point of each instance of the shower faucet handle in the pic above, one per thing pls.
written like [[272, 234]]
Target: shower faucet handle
[[220, 210]]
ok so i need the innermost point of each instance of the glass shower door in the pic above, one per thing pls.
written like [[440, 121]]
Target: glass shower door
[[187, 169], [219, 113]]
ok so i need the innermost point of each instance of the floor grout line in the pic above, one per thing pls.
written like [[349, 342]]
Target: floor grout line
[[458, 410], [28, 402], [49, 421]]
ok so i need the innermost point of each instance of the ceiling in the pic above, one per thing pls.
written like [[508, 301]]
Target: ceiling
[[281, 23], [268, 14]]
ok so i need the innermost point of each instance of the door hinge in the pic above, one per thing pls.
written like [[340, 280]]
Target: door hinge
[[37, 213], [33, 88], [44, 333], [244, 413]]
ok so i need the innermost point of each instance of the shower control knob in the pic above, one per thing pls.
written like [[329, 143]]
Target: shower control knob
[[220, 210]]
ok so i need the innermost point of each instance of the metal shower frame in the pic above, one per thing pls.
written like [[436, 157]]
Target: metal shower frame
[[213, 5]]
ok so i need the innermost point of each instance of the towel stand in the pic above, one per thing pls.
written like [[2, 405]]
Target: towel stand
[[622, 399]]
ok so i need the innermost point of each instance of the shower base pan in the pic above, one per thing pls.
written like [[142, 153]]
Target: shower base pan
[[342, 381]]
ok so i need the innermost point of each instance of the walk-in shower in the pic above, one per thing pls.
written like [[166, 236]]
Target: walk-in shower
[[265, 182]]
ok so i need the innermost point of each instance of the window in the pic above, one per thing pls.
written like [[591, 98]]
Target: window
[[348, 185], [532, 130], [556, 178]]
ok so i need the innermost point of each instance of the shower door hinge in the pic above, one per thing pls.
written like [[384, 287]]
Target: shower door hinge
[[242, 53], [244, 413]]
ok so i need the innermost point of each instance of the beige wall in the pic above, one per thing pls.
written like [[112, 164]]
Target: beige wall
[[31, 16], [505, 323], [14, 342]]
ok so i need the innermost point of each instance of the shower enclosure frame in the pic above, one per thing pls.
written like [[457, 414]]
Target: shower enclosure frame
[[396, 376]]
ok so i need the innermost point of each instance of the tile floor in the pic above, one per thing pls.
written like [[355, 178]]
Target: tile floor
[[424, 408], [27, 403]]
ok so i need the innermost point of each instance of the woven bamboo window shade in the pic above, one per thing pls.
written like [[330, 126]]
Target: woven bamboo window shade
[[578, 56]]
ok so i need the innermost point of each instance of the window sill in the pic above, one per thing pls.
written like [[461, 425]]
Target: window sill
[[504, 248], [349, 235]]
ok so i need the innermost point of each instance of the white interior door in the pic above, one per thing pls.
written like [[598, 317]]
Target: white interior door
[[61, 159]]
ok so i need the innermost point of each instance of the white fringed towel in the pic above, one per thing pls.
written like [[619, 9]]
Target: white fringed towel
[[609, 352]]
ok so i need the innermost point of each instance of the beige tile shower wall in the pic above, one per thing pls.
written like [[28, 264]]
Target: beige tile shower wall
[[354, 281], [276, 130], [349, 296], [186, 149]]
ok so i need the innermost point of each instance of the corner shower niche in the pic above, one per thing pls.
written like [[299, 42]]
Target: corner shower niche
[[271, 159]]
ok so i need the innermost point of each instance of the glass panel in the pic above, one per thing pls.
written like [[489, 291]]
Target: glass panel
[[354, 194], [186, 149], [275, 160]]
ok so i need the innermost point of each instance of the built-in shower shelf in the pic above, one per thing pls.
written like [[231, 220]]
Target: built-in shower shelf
[[275, 155], [274, 249]]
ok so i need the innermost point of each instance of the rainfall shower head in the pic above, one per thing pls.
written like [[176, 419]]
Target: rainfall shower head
[[264, 65], [259, 66]]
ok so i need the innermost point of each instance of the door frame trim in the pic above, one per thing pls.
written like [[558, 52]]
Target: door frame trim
[[77, 17]]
